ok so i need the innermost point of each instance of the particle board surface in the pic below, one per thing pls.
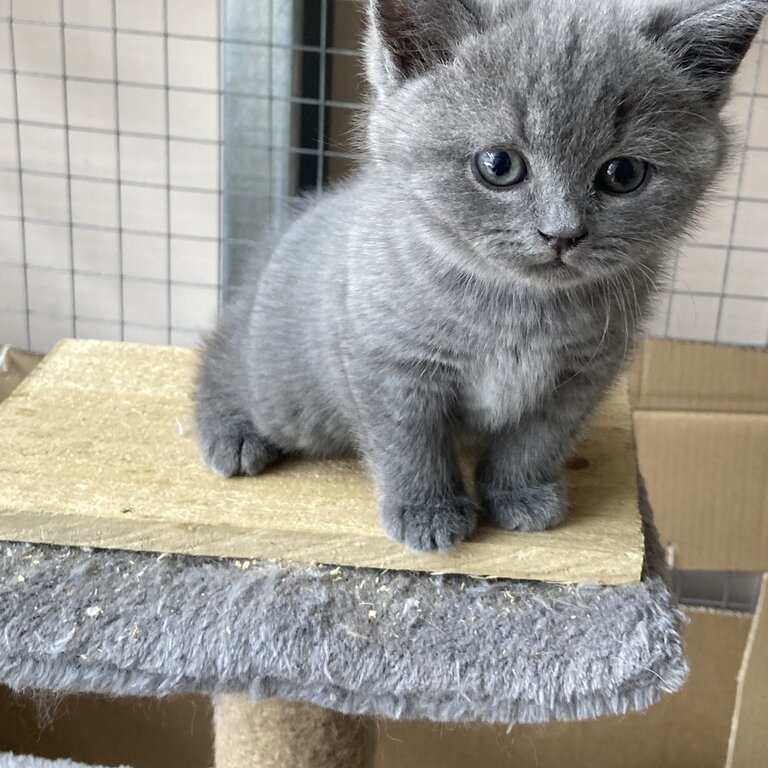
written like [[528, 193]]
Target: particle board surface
[[97, 449]]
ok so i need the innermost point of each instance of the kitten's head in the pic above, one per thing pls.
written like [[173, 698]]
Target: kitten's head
[[552, 141]]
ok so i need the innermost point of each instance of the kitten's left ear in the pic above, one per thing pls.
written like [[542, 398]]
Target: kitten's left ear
[[709, 38], [408, 37]]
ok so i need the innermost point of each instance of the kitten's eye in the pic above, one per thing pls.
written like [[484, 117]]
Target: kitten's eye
[[622, 175], [500, 167]]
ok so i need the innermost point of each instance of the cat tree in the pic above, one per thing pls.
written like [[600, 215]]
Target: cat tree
[[131, 569]]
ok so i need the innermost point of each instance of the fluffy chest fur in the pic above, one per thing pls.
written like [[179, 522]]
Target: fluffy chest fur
[[500, 385], [516, 352]]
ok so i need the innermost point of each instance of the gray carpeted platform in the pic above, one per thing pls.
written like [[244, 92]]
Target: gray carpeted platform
[[402, 645]]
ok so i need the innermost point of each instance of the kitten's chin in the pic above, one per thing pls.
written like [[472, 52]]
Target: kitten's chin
[[575, 270], [554, 275]]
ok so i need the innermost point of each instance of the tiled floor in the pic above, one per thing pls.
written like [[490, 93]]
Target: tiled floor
[[115, 169]]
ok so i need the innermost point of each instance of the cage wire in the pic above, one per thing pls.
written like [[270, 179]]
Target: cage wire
[[147, 146]]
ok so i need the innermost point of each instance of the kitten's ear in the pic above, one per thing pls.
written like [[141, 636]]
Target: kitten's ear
[[407, 37], [709, 38]]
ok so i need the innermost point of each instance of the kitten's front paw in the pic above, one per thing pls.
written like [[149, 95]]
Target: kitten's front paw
[[530, 508], [238, 450], [435, 524]]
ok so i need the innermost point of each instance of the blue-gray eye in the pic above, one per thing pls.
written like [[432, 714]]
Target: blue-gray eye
[[500, 167], [622, 175]]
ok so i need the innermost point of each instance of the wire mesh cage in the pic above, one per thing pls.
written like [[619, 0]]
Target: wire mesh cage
[[718, 590], [146, 146]]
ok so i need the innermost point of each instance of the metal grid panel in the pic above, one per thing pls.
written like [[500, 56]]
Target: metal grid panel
[[281, 130], [721, 590], [116, 232], [118, 188]]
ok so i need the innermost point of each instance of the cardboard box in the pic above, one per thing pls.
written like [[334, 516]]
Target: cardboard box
[[175, 732], [701, 421], [700, 413]]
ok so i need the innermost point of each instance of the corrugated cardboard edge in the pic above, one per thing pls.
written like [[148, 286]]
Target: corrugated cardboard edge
[[748, 744], [15, 365]]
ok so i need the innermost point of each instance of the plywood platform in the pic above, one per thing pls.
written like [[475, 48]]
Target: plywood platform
[[97, 449]]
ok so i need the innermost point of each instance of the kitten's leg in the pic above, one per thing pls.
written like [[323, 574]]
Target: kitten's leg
[[411, 453], [229, 442], [519, 482], [515, 496]]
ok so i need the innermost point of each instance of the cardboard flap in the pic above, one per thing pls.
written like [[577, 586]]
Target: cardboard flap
[[748, 745], [693, 376]]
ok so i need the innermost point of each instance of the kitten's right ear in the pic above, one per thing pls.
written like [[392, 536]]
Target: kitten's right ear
[[407, 37]]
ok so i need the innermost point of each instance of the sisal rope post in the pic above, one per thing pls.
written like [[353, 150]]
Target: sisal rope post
[[279, 734]]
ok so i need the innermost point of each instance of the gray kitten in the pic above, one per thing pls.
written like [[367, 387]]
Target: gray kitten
[[531, 164]]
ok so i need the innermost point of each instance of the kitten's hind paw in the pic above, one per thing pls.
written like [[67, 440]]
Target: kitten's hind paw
[[530, 508], [238, 451], [435, 524]]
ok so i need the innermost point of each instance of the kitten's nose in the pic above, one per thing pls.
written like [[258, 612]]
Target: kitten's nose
[[564, 241]]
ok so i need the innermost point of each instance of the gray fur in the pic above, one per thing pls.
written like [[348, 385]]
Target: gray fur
[[362, 641], [412, 306]]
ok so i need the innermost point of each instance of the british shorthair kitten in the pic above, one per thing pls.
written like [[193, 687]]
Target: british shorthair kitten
[[529, 167]]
